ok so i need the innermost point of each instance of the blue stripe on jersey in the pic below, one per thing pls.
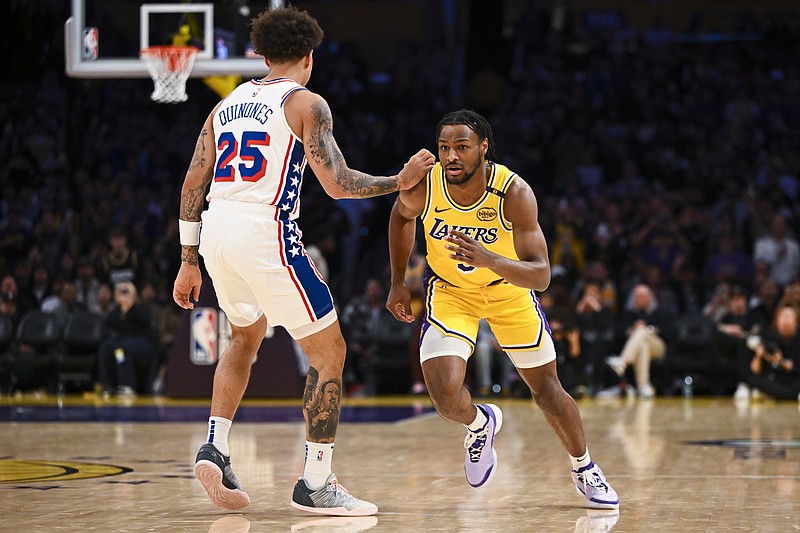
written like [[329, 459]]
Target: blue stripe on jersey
[[291, 92], [290, 195], [541, 314], [316, 291], [318, 294]]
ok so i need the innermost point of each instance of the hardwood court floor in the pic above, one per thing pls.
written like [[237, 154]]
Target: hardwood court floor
[[744, 476]]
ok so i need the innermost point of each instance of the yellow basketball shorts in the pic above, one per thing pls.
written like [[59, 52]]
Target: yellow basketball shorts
[[452, 315]]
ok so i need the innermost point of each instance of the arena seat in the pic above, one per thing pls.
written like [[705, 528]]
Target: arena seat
[[77, 362]]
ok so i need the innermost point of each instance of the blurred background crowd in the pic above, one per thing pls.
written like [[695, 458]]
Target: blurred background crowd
[[665, 158]]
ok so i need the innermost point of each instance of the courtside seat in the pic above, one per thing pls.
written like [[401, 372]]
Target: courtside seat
[[692, 353], [77, 361], [388, 370], [6, 340], [32, 357]]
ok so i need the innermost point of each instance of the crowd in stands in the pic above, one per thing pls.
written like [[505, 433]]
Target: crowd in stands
[[667, 176]]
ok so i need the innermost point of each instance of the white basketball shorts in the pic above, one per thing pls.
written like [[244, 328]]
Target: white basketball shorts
[[259, 266]]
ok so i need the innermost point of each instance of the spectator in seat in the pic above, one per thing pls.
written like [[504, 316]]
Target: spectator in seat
[[719, 304], [130, 351], [9, 300], [775, 366], [119, 262], [37, 292], [644, 329], [763, 305], [791, 295], [104, 300], [359, 317], [86, 283], [596, 274], [67, 303], [733, 328], [728, 264], [780, 251], [595, 324]]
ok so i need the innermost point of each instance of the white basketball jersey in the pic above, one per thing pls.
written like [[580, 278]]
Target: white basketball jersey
[[259, 159]]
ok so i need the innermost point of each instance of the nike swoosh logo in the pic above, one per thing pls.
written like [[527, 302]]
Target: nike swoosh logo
[[437, 210]]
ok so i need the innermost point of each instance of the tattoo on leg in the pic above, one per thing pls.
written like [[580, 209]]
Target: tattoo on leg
[[321, 406]]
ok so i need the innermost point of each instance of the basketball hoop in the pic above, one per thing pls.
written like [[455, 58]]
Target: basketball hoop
[[169, 66]]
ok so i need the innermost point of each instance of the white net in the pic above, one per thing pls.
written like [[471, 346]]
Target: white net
[[169, 66]]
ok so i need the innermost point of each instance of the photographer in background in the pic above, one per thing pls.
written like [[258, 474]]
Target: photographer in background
[[775, 366]]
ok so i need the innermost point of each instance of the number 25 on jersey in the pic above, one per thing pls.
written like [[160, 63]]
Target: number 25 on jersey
[[253, 164]]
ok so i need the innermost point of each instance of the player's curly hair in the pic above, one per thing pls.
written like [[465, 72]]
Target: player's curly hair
[[473, 121], [285, 34]]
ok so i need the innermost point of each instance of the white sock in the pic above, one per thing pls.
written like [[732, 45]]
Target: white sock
[[318, 464], [218, 433], [480, 420], [580, 462]]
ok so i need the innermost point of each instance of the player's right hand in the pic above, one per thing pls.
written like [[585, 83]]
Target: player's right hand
[[187, 285], [399, 303], [415, 169]]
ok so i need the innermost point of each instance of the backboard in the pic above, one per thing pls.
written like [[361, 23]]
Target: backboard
[[103, 38]]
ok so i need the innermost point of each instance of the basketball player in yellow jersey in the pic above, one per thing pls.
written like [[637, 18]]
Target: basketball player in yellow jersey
[[487, 257]]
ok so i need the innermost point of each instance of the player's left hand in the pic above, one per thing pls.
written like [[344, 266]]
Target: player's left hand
[[467, 250]]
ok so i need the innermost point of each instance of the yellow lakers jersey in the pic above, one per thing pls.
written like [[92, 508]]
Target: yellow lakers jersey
[[483, 221]]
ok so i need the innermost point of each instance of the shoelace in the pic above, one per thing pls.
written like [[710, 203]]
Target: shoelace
[[336, 486], [473, 437], [593, 479]]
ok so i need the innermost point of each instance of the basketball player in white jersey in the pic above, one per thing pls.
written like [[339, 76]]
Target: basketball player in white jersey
[[487, 257], [252, 150]]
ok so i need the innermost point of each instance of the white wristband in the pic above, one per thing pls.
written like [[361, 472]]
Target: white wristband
[[190, 232]]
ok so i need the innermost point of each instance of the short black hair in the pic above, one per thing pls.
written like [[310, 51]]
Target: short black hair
[[285, 34], [473, 121]]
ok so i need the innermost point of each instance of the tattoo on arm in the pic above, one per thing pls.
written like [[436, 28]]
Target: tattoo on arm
[[189, 255], [326, 152], [199, 156], [192, 197], [321, 407]]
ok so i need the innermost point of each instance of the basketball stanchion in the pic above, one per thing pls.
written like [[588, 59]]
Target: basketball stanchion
[[169, 66]]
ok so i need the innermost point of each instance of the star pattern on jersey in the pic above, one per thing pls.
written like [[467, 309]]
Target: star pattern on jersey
[[292, 239], [292, 190]]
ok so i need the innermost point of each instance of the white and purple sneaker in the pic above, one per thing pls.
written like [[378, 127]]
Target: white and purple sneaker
[[592, 484], [481, 459]]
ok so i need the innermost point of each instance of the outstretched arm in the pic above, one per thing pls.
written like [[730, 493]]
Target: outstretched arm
[[193, 193], [402, 225], [532, 270], [328, 163]]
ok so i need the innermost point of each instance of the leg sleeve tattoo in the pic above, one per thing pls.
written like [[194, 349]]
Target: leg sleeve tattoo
[[321, 406]]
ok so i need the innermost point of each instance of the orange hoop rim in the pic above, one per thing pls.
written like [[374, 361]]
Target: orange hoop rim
[[153, 50], [173, 58]]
